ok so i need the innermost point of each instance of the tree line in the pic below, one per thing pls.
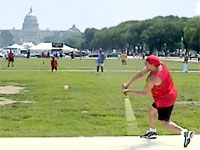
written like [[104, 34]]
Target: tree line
[[159, 33]]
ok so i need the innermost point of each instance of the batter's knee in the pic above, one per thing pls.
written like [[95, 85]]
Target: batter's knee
[[152, 110], [164, 123]]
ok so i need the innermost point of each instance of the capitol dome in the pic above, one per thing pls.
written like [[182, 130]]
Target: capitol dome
[[74, 29], [30, 21]]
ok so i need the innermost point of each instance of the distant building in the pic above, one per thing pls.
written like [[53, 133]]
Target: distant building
[[31, 33]]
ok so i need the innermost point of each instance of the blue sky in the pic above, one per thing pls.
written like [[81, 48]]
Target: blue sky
[[62, 14]]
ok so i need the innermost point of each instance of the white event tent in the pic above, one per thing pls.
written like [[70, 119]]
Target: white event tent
[[45, 47], [15, 47], [28, 45]]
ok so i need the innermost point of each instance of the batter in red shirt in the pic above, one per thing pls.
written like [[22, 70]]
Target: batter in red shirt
[[159, 83], [165, 93]]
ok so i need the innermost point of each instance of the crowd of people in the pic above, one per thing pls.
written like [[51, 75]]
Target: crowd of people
[[99, 61]]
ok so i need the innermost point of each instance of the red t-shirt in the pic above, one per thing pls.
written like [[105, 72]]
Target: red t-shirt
[[10, 56], [54, 63], [164, 94]]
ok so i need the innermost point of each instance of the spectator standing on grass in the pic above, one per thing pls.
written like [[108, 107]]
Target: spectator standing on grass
[[6, 56], [28, 54], [198, 57], [72, 55], [160, 84], [123, 58], [10, 58], [100, 60], [61, 54], [185, 62], [54, 64], [48, 54], [143, 55]]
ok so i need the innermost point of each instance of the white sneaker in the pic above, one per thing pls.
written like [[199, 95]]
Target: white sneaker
[[149, 135], [188, 135]]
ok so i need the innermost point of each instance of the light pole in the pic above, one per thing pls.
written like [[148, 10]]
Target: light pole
[[182, 43], [165, 50], [144, 50], [182, 47]]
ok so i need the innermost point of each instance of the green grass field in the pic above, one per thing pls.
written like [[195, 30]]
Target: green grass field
[[92, 106]]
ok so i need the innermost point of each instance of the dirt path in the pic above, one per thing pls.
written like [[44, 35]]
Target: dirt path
[[10, 89]]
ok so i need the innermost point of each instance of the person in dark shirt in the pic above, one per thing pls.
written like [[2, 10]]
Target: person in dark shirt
[[54, 64], [10, 58]]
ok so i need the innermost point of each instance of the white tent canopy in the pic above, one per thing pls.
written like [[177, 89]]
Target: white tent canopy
[[15, 46], [42, 47], [48, 47], [28, 45]]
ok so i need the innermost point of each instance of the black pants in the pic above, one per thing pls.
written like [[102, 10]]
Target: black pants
[[98, 68], [12, 60], [52, 68], [164, 113]]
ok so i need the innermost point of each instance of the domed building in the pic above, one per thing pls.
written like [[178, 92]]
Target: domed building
[[30, 21], [31, 33], [74, 29]]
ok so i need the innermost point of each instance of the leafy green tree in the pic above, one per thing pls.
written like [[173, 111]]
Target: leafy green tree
[[161, 32], [88, 36], [50, 39], [100, 40], [111, 38], [134, 37], [192, 33], [6, 38], [74, 40]]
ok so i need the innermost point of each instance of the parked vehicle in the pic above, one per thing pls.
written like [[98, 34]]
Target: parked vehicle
[[31, 55], [80, 54], [93, 55], [193, 56], [1, 54], [113, 54]]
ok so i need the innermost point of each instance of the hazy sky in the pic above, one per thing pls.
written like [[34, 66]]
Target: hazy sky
[[62, 14]]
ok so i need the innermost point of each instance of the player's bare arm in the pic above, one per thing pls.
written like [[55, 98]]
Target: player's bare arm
[[135, 77], [153, 80]]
